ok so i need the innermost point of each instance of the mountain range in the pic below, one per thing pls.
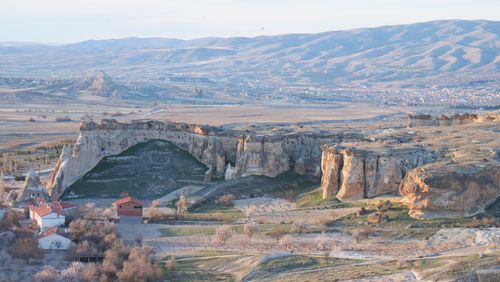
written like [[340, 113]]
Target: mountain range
[[413, 53]]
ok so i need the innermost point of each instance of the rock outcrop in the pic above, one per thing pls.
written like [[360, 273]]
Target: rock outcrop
[[32, 188], [353, 173], [451, 189], [443, 120], [215, 147]]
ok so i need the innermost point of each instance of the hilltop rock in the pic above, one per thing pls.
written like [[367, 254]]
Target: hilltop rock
[[98, 83], [451, 190]]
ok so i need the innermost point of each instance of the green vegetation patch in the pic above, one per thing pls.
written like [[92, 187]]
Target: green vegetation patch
[[315, 198], [148, 170]]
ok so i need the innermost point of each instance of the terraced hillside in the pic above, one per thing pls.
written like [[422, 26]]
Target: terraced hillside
[[147, 170]]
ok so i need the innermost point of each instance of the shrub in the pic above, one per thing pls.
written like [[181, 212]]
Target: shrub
[[277, 233], [286, 241], [222, 234], [250, 229], [299, 226], [226, 200]]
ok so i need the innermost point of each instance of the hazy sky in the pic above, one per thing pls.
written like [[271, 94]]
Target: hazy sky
[[61, 21]]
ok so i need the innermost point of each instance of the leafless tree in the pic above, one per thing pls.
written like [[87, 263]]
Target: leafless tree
[[90, 272], [250, 229], [73, 273], [48, 274], [286, 241], [171, 263], [299, 226], [222, 234], [226, 200], [27, 248], [139, 267], [322, 241]]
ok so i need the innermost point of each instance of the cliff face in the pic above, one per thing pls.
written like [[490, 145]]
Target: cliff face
[[451, 190], [351, 173], [213, 146]]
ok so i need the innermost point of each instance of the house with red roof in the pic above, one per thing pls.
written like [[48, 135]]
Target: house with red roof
[[54, 238], [50, 215], [129, 210]]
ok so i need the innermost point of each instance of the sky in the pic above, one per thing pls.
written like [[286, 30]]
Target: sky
[[65, 21]]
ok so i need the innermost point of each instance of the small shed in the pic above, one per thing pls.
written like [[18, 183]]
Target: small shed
[[129, 209]]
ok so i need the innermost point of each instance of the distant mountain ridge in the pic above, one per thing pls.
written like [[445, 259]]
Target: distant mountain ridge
[[387, 54]]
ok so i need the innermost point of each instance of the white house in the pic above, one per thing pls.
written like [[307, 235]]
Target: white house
[[54, 239], [46, 217], [50, 215]]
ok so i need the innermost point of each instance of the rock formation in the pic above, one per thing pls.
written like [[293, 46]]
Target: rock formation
[[215, 147], [451, 189], [32, 188], [353, 173], [443, 120], [100, 84]]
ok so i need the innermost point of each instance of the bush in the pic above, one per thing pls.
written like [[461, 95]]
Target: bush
[[226, 200], [299, 226], [222, 234], [250, 229]]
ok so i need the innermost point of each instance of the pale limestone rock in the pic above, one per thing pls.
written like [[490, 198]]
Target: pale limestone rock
[[32, 188], [230, 172], [450, 189], [213, 146]]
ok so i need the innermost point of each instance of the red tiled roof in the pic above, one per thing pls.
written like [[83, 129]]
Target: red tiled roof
[[61, 206], [57, 207], [54, 230], [42, 210], [128, 199]]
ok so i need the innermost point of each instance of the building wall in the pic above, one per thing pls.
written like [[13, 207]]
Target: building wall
[[49, 242], [128, 209], [50, 220]]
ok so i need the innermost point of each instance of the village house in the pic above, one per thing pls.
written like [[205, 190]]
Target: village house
[[50, 215], [129, 210], [54, 238]]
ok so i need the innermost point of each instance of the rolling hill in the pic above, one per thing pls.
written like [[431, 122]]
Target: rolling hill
[[387, 54]]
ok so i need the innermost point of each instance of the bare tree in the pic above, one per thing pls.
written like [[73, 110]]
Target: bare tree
[[286, 241], [277, 233], [250, 229], [226, 200], [27, 248], [48, 274], [299, 226], [222, 234], [171, 263], [139, 266], [322, 241], [90, 272], [73, 273]]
